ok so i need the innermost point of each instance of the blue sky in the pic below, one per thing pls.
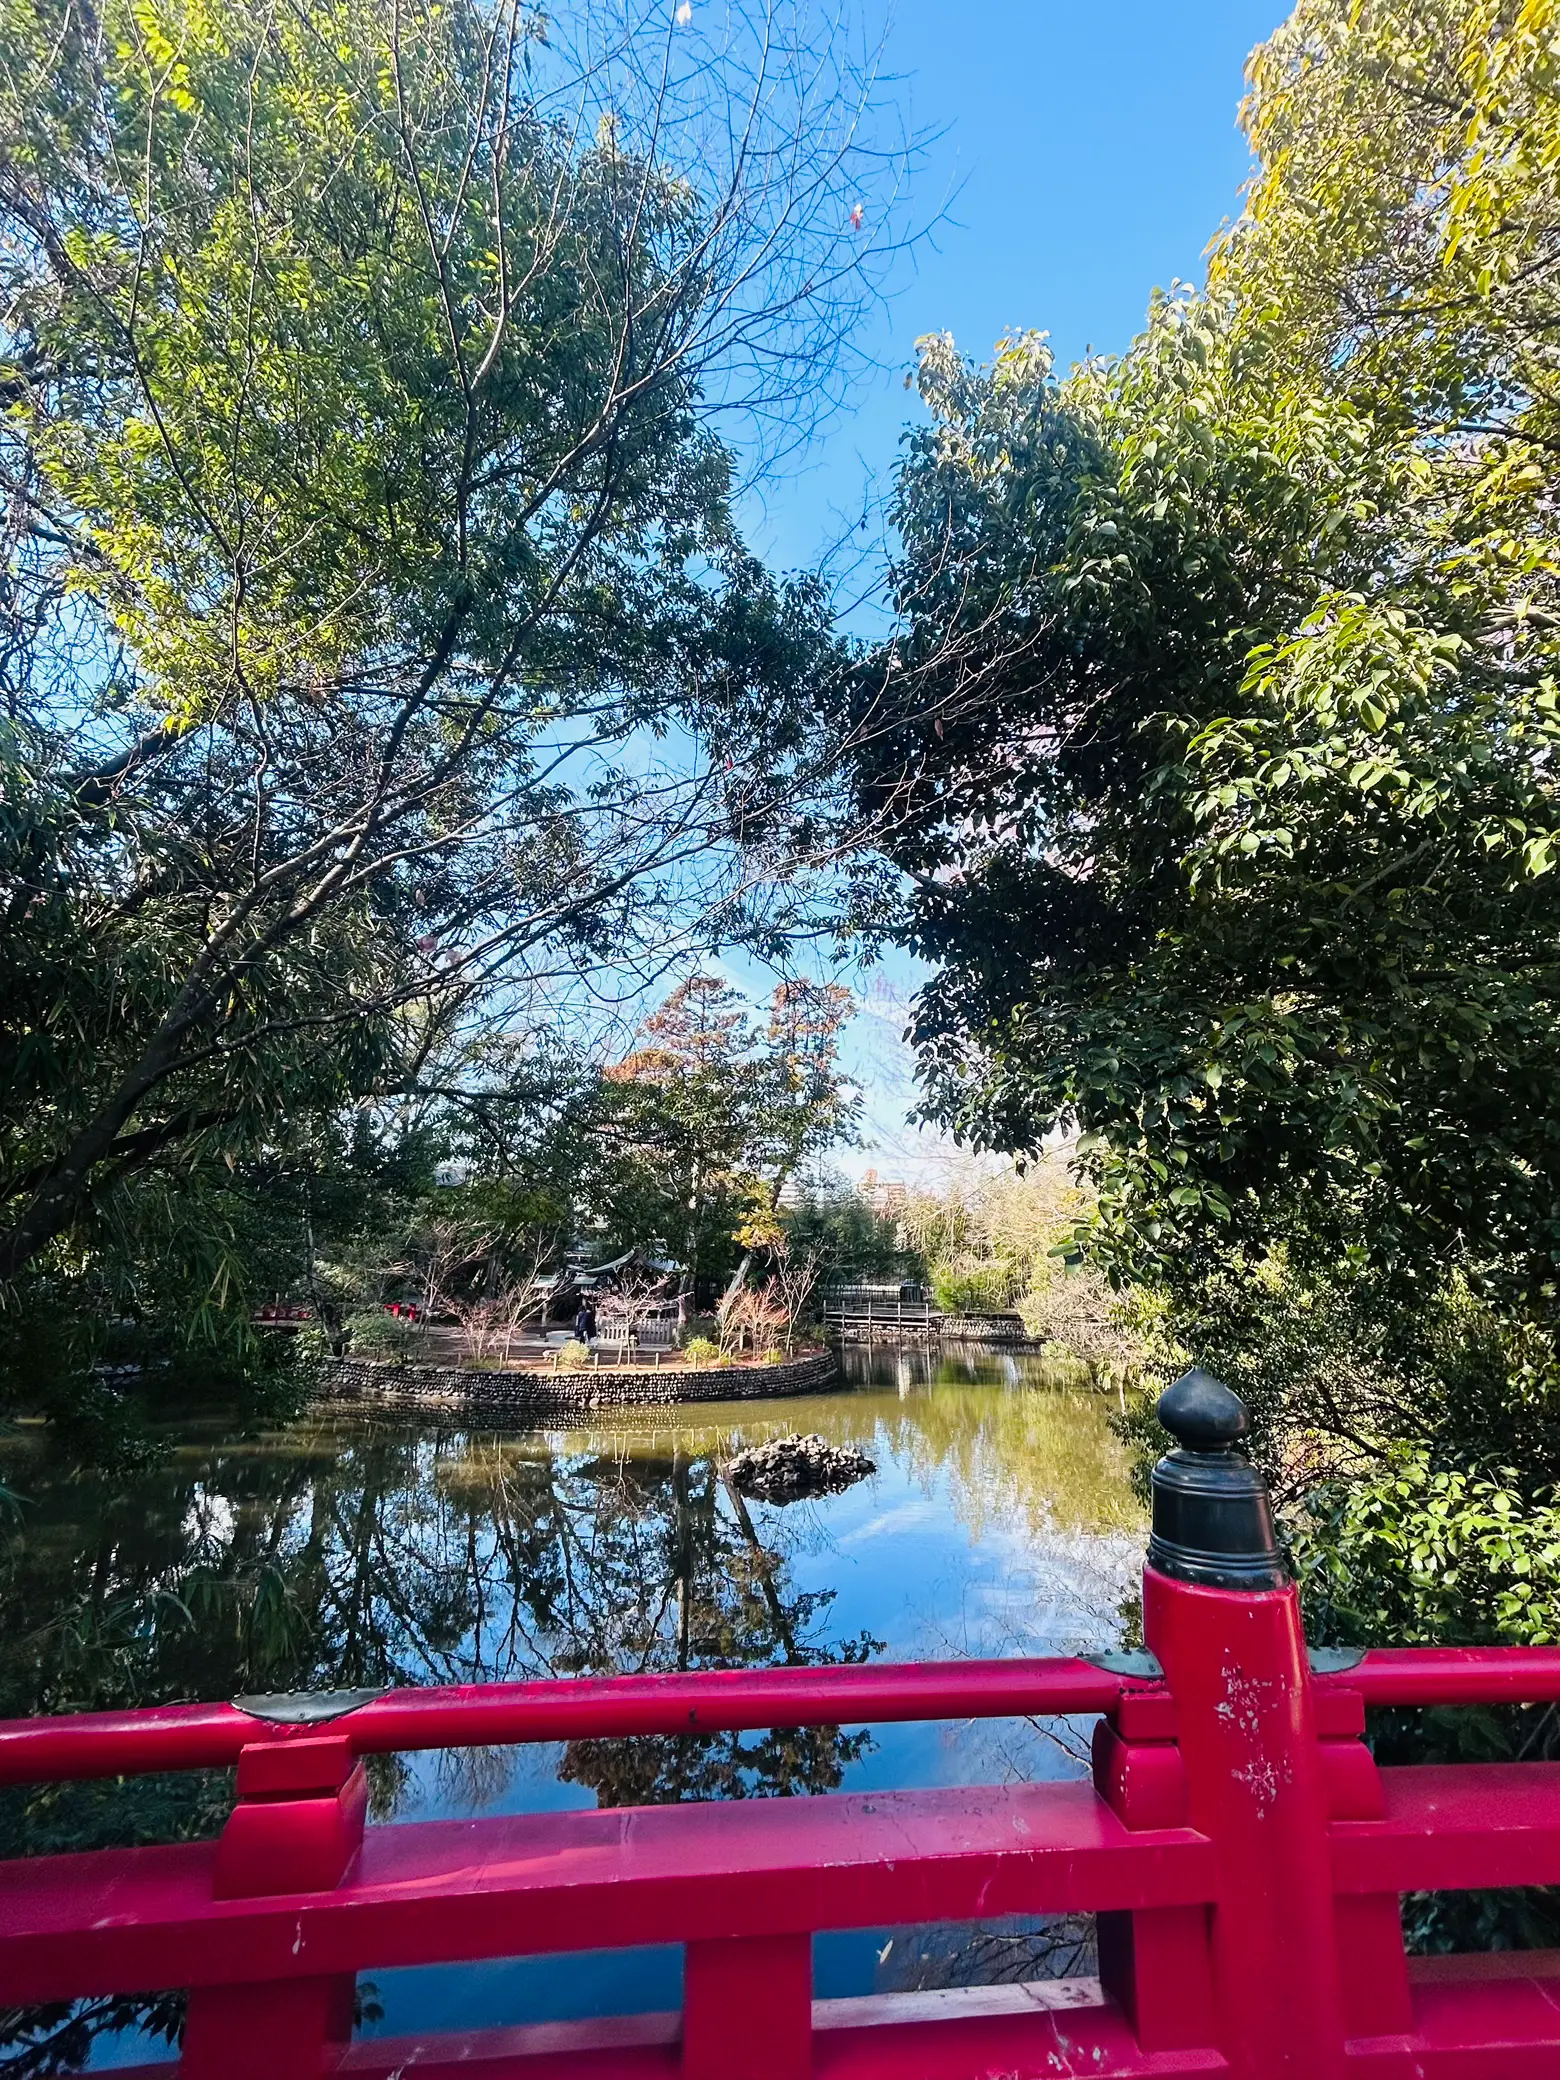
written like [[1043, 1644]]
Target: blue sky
[[1088, 155]]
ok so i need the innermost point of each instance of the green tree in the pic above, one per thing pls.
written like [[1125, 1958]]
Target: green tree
[[1398, 245], [806, 1106], [1225, 817], [709, 1118], [831, 1222], [679, 1115], [379, 651], [1232, 667], [1228, 808], [1229, 668]]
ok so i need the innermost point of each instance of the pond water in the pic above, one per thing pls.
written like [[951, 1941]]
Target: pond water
[[349, 1554]]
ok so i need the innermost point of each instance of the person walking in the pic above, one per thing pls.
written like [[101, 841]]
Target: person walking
[[585, 1322]]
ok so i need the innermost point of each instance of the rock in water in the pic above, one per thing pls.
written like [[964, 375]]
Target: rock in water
[[787, 1469]]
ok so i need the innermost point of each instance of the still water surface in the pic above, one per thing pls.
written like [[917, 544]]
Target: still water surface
[[998, 1521]]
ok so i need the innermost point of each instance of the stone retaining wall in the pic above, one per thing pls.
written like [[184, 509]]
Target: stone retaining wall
[[531, 1397], [940, 1329], [983, 1328]]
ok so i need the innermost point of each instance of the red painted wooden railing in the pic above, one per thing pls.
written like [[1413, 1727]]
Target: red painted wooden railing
[[1243, 1852]]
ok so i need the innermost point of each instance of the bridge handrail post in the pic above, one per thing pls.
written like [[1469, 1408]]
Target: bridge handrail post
[[1224, 1620], [297, 1827], [747, 2008], [1153, 1960]]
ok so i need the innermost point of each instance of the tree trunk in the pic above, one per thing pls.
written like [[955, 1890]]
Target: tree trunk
[[65, 1188], [728, 1299], [739, 1276]]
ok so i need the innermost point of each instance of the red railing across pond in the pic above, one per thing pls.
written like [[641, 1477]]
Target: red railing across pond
[[1242, 1851], [204, 1736]]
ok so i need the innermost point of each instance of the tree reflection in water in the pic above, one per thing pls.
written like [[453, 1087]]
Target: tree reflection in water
[[374, 1559], [355, 1557]]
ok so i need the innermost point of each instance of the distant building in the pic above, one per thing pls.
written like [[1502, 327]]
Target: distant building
[[886, 1196]]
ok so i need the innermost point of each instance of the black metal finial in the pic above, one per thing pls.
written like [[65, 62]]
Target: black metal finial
[[1201, 1413], [1213, 1523]]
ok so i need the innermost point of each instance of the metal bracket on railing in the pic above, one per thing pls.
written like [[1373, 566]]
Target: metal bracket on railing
[[1143, 1667], [306, 1707]]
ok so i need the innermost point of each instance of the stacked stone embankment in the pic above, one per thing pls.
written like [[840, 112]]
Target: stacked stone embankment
[[932, 1329], [982, 1328], [529, 1397]]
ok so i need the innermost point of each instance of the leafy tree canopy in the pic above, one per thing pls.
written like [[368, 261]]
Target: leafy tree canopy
[[705, 1123], [379, 654], [1231, 667]]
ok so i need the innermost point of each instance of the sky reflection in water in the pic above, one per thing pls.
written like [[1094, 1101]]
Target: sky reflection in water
[[998, 1522]]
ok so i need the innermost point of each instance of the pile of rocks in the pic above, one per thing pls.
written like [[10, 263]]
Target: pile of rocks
[[788, 1469]]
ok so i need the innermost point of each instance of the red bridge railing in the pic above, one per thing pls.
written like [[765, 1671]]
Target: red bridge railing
[[1241, 1849]]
